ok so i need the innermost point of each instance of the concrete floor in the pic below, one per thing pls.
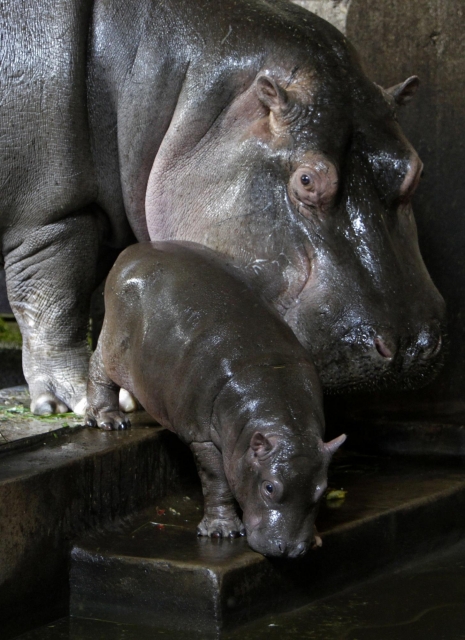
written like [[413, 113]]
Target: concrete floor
[[423, 601]]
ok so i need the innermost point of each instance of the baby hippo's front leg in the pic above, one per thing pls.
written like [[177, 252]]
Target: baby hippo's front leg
[[220, 519], [103, 397]]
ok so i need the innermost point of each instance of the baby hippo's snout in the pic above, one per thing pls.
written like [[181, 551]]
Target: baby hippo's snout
[[278, 547]]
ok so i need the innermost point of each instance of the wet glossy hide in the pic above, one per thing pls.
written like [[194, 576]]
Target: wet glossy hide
[[210, 360], [244, 125]]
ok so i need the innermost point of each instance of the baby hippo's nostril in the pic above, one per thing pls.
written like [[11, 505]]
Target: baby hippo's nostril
[[383, 349], [300, 549], [281, 546]]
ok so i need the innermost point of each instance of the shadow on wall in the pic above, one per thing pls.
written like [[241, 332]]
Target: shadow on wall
[[4, 305]]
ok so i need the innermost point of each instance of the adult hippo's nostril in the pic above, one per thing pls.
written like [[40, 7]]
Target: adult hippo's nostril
[[429, 344], [382, 348], [300, 550]]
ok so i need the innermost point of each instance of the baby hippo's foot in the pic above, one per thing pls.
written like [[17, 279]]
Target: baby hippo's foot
[[221, 526], [108, 420]]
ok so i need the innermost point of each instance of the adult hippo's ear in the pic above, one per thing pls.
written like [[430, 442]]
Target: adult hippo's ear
[[283, 108], [333, 445], [403, 93], [272, 95]]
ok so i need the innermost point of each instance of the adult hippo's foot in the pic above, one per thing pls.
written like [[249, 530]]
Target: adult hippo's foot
[[59, 383], [50, 275]]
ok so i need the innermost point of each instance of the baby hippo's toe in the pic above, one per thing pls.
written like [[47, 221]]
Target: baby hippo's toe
[[108, 420], [231, 527]]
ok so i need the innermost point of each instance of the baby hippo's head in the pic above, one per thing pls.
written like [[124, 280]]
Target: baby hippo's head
[[278, 484]]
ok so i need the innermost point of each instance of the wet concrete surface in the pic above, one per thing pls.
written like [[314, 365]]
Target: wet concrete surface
[[52, 491], [19, 428], [423, 601], [154, 570]]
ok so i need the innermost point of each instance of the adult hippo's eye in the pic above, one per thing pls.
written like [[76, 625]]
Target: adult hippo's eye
[[313, 185], [269, 488]]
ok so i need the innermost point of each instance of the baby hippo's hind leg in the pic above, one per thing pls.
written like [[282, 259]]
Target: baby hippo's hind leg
[[102, 397], [220, 518]]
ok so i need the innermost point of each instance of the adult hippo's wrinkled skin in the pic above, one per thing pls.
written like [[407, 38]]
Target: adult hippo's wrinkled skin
[[208, 359], [244, 125]]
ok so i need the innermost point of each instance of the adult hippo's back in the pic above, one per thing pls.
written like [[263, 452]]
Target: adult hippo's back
[[247, 126]]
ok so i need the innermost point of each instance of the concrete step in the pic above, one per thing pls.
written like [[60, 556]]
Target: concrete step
[[154, 571], [57, 484], [421, 601]]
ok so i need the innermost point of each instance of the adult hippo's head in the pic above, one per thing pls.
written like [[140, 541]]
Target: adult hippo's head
[[293, 166]]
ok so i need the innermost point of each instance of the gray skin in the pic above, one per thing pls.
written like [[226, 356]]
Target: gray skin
[[244, 125], [211, 361]]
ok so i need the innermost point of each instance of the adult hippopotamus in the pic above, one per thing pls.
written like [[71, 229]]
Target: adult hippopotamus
[[244, 125], [209, 360]]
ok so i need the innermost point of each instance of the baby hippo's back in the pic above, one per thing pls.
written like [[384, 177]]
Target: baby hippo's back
[[179, 323]]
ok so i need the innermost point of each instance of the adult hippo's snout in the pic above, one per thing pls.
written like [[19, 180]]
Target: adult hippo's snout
[[409, 360], [402, 358], [426, 346]]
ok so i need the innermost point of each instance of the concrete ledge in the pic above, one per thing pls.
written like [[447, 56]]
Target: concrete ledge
[[52, 492], [155, 571]]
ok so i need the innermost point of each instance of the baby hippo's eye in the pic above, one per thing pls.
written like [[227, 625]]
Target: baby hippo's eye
[[305, 179], [268, 489], [272, 490]]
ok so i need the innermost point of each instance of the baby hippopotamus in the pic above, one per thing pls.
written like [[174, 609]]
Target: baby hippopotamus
[[208, 359]]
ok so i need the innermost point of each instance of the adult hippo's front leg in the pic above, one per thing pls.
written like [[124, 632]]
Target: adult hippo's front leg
[[50, 274]]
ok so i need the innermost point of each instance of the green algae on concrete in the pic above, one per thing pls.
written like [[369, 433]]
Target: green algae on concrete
[[19, 427], [10, 334]]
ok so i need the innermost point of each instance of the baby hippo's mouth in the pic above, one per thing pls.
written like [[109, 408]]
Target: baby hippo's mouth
[[268, 545]]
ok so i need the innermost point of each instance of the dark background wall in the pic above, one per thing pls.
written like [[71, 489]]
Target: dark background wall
[[397, 39]]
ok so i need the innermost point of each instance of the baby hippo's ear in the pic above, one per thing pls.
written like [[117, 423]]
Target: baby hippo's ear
[[403, 93], [261, 445], [333, 445]]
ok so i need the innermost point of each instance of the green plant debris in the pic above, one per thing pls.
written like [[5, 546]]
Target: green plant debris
[[336, 494], [10, 333], [19, 411]]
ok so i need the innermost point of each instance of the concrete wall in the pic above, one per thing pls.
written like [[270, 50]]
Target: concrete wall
[[334, 11], [397, 39]]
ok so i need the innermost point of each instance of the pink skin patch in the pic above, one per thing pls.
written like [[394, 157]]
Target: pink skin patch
[[412, 178], [313, 184]]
